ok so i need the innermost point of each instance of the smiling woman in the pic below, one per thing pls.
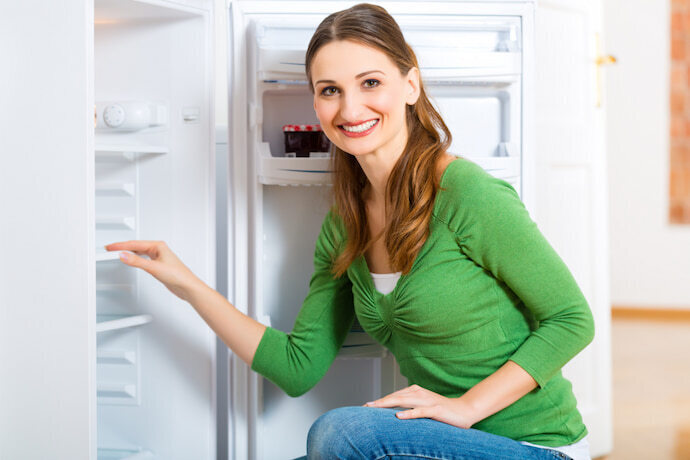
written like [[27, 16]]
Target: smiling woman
[[482, 313], [375, 110]]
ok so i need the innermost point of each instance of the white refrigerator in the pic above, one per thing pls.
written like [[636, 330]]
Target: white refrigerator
[[111, 136]]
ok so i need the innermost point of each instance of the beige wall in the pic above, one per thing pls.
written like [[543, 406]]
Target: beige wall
[[650, 259]]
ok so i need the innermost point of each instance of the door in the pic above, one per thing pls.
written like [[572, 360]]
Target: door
[[47, 396], [569, 188]]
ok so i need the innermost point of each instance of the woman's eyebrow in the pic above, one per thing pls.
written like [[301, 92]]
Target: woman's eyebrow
[[369, 71], [356, 76]]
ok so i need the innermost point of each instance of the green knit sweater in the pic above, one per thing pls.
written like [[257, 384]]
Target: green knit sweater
[[486, 287]]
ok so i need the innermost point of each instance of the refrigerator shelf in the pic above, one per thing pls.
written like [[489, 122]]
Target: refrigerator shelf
[[115, 322], [292, 171], [124, 454], [127, 151]]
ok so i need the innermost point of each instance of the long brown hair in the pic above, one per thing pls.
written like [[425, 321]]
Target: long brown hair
[[413, 183]]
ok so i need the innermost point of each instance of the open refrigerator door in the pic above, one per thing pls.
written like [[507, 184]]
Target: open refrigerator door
[[154, 173]]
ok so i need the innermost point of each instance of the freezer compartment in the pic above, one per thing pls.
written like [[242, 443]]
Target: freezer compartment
[[448, 48], [471, 67]]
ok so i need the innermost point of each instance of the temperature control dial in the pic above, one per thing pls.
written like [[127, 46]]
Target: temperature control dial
[[114, 116]]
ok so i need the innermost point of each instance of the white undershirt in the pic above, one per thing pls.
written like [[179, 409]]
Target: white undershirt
[[386, 282]]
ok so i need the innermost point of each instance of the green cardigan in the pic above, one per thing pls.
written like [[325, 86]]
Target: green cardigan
[[486, 287]]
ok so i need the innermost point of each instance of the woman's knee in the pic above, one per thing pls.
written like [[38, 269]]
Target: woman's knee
[[339, 433]]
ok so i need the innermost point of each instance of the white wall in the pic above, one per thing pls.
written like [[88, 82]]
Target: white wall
[[650, 259]]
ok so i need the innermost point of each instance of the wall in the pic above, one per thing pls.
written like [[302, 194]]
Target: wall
[[650, 259]]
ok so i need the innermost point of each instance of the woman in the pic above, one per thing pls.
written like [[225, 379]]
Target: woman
[[439, 262]]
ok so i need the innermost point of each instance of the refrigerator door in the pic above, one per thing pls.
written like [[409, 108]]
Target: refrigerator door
[[47, 300], [154, 155]]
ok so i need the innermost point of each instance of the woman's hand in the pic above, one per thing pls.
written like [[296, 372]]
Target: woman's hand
[[164, 265], [427, 404]]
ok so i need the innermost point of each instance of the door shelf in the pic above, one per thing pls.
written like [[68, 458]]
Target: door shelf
[[107, 256], [127, 151], [115, 288], [115, 223], [119, 391], [116, 357], [293, 171], [115, 322], [124, 454], [115, 189]]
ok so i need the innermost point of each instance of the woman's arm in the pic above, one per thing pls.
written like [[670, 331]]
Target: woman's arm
[[239, 332], [295, 361], [494, 229], [498, 391]]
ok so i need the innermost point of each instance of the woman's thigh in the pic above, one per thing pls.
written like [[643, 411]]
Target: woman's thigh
[[376, 433]]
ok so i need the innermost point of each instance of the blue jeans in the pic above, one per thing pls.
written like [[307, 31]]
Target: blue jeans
[[374, 434]]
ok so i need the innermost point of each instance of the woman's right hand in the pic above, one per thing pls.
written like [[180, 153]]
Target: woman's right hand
[[164, 265]]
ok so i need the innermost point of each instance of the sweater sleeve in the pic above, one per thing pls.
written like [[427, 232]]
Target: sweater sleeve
[[496, 231], [298, 360]]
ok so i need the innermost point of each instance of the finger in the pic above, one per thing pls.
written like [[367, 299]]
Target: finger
[[418, 412], [396, 395], [150, 248], [134, 260], [405, 400]]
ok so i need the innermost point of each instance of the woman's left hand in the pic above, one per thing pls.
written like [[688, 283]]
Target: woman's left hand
[[427, 404]]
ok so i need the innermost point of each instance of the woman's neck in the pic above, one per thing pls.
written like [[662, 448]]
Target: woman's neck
[[377, 166]]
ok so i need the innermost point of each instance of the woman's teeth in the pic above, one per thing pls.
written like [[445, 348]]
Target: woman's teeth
[[360, 128]]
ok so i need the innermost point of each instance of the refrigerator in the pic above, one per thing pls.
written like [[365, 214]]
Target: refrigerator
[[126, 147]]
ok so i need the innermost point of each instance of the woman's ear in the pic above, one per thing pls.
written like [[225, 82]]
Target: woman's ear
[[412, 86]]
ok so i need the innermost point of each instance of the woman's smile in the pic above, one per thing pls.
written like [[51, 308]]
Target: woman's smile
[[359, 129]]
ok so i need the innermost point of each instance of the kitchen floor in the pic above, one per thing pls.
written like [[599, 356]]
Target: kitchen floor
[[651, 389]]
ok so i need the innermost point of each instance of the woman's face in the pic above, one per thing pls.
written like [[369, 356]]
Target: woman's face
[[360, 98]]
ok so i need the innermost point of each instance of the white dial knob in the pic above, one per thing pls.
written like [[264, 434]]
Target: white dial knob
[[114, 115]]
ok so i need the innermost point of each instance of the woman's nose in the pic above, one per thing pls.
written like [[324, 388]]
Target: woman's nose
[[351, 107]]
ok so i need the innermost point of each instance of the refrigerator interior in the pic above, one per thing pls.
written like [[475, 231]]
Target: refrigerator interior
[[155, 356], [474, 77]]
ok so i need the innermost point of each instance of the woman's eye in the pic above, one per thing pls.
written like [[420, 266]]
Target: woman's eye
[[371, 83], [329, 91]]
